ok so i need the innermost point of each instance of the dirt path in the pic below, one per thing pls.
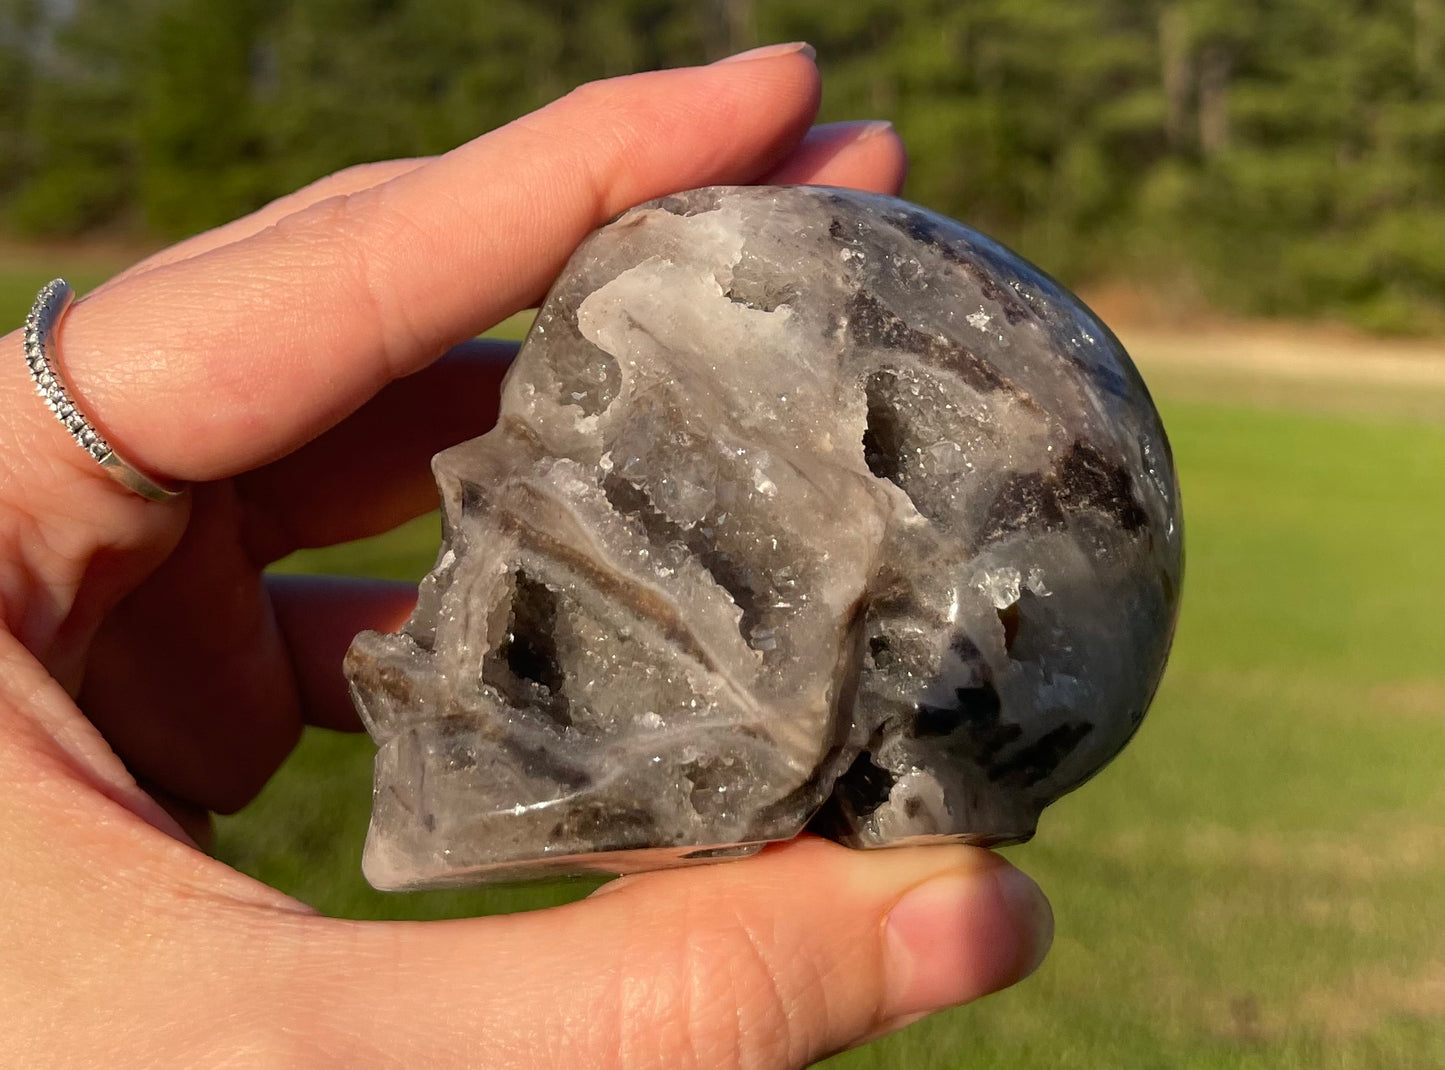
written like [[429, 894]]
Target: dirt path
[[1281, 352]]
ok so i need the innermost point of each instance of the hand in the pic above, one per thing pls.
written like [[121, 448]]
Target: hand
[[287, 365]]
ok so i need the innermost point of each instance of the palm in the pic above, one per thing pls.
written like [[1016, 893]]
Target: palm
[[287, 367]]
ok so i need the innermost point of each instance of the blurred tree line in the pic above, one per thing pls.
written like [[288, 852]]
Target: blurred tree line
[[1278, 156]]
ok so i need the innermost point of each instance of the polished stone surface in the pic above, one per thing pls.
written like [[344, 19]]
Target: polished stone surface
[[806, 507]]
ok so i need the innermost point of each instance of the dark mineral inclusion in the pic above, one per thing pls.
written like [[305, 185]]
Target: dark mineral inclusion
[[806, 508]]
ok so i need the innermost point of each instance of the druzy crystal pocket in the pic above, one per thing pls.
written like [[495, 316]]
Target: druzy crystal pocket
[[805, 508]]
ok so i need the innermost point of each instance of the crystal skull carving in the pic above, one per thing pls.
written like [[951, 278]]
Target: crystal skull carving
[[805, 508]]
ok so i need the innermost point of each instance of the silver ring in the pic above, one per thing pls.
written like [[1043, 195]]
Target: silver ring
[[40, 326]]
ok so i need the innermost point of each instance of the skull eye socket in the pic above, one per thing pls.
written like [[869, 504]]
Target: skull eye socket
[[897, 433], [883, 436]]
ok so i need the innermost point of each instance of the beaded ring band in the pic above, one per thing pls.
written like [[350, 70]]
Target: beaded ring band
[[40, 326]]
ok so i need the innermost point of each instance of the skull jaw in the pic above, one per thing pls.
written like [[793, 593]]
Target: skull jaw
[[988, 840], [407, 852], [388, 867], [432, 828], [415, 858], [453, 807]]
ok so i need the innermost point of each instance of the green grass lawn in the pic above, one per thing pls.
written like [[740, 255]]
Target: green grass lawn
[[24, 270], [1259, 881]]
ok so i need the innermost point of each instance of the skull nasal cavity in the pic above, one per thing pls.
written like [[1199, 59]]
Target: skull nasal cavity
[[526, 666], [531, 644]]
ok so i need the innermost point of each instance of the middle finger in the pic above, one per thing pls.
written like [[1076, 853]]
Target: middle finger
[[371, 472], [213, 365]]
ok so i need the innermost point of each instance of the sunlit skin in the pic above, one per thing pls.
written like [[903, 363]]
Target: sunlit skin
[[298, 367]]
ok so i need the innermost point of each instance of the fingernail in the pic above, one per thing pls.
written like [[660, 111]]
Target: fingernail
[[960, 936], [772, 51], [857, 129]]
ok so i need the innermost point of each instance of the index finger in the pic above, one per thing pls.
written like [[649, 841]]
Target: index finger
[[207, 367]]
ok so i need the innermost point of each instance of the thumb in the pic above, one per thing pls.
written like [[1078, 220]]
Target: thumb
[[771, 962]]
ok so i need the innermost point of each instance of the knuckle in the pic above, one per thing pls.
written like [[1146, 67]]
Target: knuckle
[[354, 234], [600, 126], [350, 177], [738, 993], [766, 996], [600, 93]]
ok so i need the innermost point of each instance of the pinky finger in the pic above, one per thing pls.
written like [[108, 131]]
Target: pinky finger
[[318, 616]]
